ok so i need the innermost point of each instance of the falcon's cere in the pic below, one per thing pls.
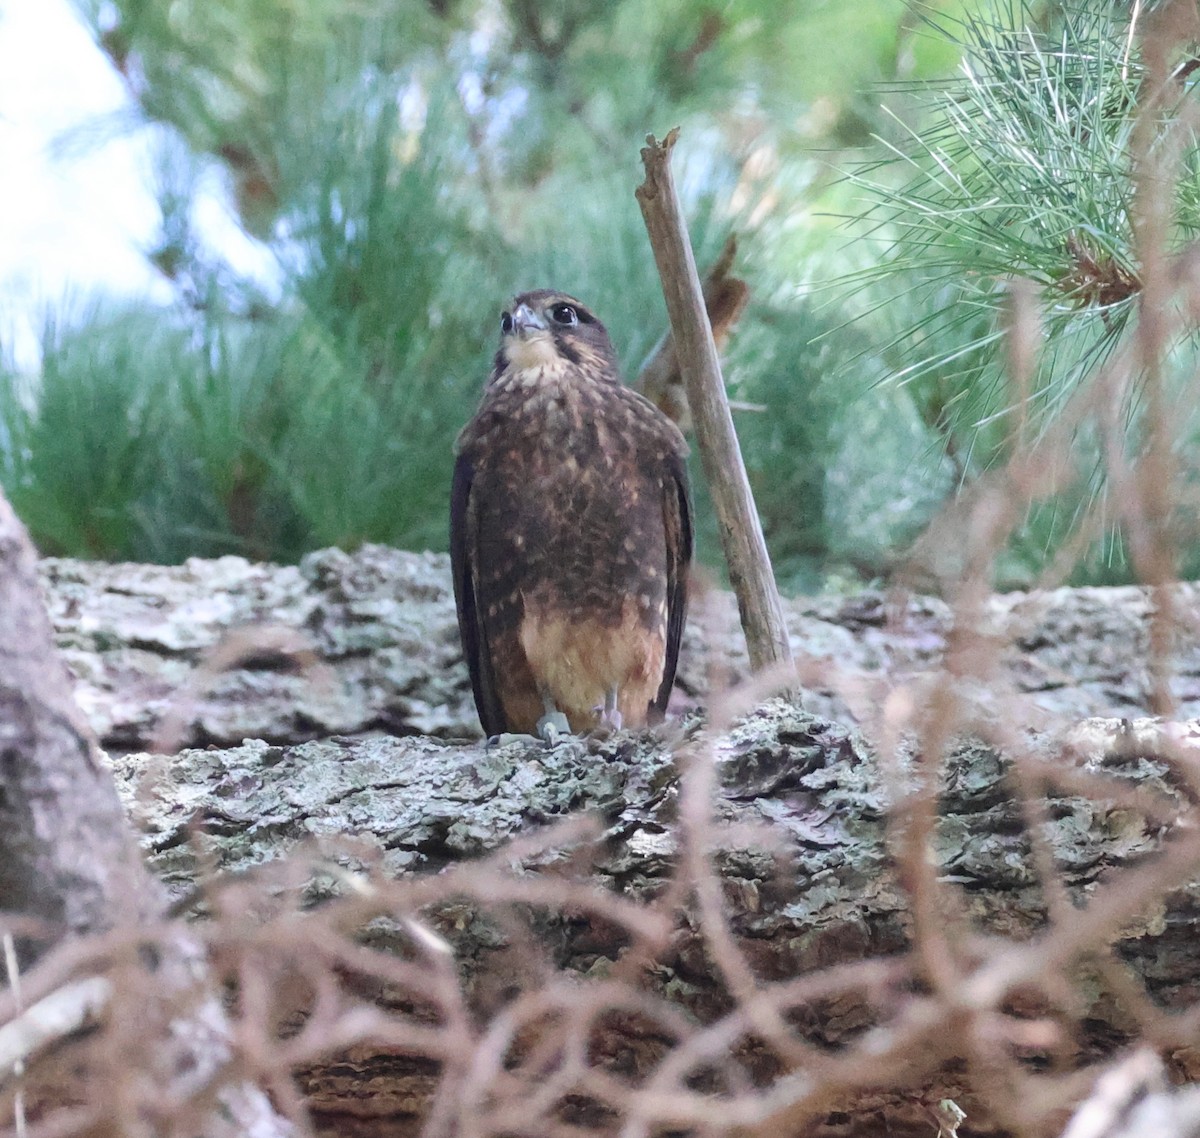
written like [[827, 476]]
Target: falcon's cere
[[570, 532]]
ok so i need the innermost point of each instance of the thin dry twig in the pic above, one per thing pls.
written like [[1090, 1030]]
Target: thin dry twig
[[50, 1020]]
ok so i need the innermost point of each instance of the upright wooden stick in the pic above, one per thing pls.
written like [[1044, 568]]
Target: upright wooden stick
[[741, 534]]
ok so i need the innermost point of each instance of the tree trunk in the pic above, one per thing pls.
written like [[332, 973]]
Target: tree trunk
[[347, 644], [70, 862], [67, 855]]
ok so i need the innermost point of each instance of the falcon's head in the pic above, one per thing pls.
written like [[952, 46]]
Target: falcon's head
[[551, 330]]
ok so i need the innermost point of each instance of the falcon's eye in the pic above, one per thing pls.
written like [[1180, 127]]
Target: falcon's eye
[[506, 323], [564, 314]]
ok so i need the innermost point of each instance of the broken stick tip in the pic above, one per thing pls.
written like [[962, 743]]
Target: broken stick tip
[[672, 136]]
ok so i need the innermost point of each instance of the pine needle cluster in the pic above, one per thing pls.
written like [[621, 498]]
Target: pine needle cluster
[[1022, 167]]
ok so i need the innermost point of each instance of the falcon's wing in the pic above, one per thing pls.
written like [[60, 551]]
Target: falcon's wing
[[464, 552], [677, 524]]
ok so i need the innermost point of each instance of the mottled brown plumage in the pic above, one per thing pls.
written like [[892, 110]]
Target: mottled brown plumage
[[570, 532]]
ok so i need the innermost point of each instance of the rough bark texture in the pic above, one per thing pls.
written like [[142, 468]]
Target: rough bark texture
[[381, 625], [66, 853], [418, 805], [382, 628]]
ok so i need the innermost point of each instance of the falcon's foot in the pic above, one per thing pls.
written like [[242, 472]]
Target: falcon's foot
[[506, 737], [552, 726], [609, 718]]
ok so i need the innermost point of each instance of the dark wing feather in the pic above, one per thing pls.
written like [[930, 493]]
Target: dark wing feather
[[464, 550], [677, 523]]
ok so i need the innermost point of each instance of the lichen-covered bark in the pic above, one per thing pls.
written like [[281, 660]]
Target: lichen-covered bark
[[382, 622], [417, 804], [135, 634], [382, 779]]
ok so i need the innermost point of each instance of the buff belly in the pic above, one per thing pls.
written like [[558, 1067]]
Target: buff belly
[[576, 662]]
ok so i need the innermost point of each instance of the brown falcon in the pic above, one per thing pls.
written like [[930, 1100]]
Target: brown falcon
[[570, 532]]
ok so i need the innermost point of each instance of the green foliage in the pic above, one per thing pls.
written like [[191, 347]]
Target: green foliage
[[411, 164], [778, 365], [91, 489], [1020, 167]]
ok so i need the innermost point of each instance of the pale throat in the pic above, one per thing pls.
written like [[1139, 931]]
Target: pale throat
[[536, 352]]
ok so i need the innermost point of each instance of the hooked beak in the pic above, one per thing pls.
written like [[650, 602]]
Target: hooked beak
[[526, 322]]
